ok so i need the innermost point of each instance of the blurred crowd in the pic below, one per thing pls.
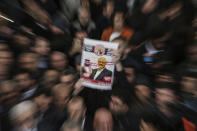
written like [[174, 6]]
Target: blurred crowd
[[155, 79]]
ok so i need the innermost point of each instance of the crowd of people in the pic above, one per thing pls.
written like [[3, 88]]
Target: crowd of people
[[155, 77]]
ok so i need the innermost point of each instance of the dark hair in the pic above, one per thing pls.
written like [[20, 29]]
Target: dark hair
[[160, 32], [123, 94], [68, 72], [41, 91], [168, 85], [150, 116], [190, 74], [22, 71], [142, 79]]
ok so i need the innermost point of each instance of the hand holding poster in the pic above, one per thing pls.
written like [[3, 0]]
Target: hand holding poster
[[97, 67]]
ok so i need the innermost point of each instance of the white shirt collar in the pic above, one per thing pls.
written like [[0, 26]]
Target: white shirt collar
[[151, 49]]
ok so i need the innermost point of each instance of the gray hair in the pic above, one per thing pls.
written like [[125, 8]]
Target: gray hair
[[70, 125], [21, 108]]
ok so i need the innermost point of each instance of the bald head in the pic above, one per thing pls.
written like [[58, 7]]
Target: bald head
[[76, 109], [103, 120], [61, 94]]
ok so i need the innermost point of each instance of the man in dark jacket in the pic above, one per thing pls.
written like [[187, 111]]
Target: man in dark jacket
[[101, 73]]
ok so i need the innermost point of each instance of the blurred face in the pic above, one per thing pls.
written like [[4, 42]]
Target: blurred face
[[43, 103], [4, 72], [76, 111], [142, 92], [58, 62], [42, 47], [160, 42], [103, 122], [118, 21], [3, 46], [189, 85], [51, 75], [192, 54], [9, 96], [23, 81], [87, 63], [109, 8], [67, 79], [61, 97], [147, 127], [21, 40], [130, 74], [83, 17], [165, 78], [117, 106], [165, 96], [101, 63], [6, 57], [28, 61], [26, 121]]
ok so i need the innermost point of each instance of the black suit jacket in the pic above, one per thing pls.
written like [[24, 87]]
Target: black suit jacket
[[100, 77]]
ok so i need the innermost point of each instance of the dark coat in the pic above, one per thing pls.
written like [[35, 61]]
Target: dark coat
[[103, 74]]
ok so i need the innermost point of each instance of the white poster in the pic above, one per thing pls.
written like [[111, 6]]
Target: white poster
[[97, 67]]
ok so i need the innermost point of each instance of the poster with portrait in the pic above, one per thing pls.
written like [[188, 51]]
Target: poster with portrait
[[97, 67]]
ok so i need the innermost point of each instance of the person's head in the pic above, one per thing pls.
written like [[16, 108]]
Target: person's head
[[42, 98], [22, 41], [149, 6], [130, 73], [52, 75], [119, 103], [192, 53], [61, 95], [151, 121], [4, 46], [4, 72], [108, 8], [71, 126], [122, 44], [142, 88], [68, 77], [58, 61], [23, 79], [188, 82], [166, 93], [41, 46], [23, 115], [118, 21], [28, 61], [76, 109], [87, 62], [50, 79], [83, 16], [165, 74], [101, 63], [9, 93], [103, 120], [6, 57], [160, 37]]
